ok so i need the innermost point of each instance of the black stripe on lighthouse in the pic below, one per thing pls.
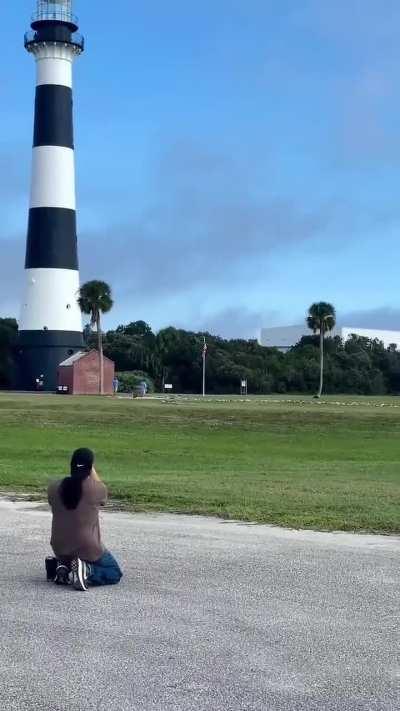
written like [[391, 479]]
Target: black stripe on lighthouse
[[53, 116], [51, 241]]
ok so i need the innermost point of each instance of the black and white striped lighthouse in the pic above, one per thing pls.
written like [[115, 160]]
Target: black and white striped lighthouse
[[50, 327]]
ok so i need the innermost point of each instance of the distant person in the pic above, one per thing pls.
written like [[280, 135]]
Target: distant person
[[115, 385], [81, 558]]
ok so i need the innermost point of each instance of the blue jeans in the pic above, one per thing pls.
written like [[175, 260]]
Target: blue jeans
[[105, 571]]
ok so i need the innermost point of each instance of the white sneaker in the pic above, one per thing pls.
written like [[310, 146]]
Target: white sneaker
[[79, 574]]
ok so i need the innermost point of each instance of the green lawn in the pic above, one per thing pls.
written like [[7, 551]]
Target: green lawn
[[333, 464]]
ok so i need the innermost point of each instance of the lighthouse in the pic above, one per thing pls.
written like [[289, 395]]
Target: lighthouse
[[50, 325]]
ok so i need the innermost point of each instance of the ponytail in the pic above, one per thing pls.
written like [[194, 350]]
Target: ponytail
[[71, 487], [71, 492]]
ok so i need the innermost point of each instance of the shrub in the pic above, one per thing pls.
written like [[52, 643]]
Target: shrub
[[130, 380]]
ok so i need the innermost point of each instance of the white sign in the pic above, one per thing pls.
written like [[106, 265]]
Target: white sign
[[168, 386], [244, 383]]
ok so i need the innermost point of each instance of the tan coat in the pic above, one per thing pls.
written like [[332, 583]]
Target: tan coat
[[77, 532]]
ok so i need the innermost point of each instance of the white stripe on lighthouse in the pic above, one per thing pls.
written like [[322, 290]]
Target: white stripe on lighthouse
[[54, 64], [53, 177], [59, 313]]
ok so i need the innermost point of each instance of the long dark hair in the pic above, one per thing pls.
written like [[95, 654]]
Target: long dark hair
[[71, 487]]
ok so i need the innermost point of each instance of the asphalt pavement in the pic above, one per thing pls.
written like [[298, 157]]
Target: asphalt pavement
[[210, 615]]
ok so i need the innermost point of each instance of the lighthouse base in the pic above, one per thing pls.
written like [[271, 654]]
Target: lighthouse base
[[39, 353]]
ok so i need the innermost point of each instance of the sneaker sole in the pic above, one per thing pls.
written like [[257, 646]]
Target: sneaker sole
[[62, 577], [78, 575]]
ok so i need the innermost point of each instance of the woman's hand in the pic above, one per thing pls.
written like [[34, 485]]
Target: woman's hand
[[95, 475]]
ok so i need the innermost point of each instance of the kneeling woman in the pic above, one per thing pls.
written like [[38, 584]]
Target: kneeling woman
[[75, 501]]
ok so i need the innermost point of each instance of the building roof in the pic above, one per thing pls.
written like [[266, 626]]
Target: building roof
[[79, 355], [72, 359]]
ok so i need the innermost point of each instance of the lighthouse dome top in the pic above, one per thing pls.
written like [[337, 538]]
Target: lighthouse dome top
[[55, 11], [54, 22]]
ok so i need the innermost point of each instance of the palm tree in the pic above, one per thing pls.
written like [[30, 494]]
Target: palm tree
[[94, 299], [321, 318]]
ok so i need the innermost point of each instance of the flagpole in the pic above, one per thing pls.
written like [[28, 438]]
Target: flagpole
[[204, 367]]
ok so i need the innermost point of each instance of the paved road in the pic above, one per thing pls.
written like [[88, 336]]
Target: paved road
[[210, 615]]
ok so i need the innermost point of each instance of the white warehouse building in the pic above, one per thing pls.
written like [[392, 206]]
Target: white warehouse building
[[285, 337]]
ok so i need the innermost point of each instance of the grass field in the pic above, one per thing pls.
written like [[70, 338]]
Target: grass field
[[297, 462]]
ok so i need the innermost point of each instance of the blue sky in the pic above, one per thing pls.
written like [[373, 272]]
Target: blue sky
[[235, 161]]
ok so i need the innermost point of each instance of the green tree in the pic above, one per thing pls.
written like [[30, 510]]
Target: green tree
[[179, 353], [142, 344], [321, 319], [95, 299], [136, 328]]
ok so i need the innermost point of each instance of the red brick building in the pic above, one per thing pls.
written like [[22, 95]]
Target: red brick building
[[79, 374]]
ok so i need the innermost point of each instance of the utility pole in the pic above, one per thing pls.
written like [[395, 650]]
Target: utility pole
[[204, 366]]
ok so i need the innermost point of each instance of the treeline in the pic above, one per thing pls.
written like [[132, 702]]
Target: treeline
[[358, 366]]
